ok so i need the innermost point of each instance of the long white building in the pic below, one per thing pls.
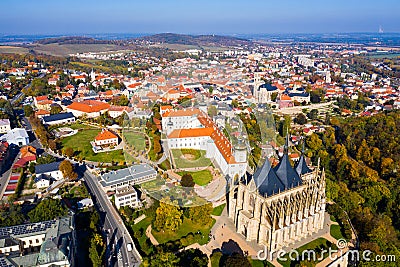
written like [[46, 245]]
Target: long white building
[[193, 129]]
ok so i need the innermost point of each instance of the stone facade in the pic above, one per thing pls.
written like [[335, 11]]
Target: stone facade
[[276, 210]]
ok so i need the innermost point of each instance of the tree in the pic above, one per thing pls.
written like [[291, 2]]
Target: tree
[[201, 214], [274, 96], [69, 152], [96, 250], [67, 170], [47, 209], [300, 119], [193, 258], [313, 114], [156, 144], [52, 144], [236, 260], [55, 109], [187, 180], [212, 111], [28, 110], [167, 259], [168, 215], [121, 100], [46, 159]]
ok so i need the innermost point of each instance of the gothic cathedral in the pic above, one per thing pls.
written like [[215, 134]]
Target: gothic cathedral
[[277, 207]]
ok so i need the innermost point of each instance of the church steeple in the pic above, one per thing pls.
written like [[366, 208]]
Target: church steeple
[[285, 171], [301, 167]]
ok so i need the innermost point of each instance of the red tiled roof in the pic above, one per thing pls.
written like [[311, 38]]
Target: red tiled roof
[[89, 106], [105, 135]]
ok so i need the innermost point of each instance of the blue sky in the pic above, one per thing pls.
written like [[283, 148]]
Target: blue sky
[[202, 16]]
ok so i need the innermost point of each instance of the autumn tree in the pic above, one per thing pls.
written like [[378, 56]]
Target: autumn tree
[[55, 109], [201, 214], [69, 152], [168, 215], [28, 110], [67, 170]]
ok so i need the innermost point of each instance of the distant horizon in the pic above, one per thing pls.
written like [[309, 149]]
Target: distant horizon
[[77, 34], [188, 16]]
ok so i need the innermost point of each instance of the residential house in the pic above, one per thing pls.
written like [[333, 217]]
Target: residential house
[[49, 169], [135, 174], [61, 118], [106, 138], [5, 126], [17, 136], [127, 196], [92, 108]]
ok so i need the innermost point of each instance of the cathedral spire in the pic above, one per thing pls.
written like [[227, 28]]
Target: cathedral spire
[[286, 147]]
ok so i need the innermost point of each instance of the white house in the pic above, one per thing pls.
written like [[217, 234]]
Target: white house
[[42, 181], [85, 203], [61, 118], [17, 136], [50, 169], [127, 196], [5, 126], [106, 138]]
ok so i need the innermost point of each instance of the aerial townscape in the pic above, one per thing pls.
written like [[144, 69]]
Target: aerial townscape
[[218, 145]]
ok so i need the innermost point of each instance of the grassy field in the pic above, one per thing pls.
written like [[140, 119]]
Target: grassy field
[[136, 140], [197, 161], [315, 245], [187, 227], [66, 49], [202, 177], [217, 211], [336, 231], [6, 49], [143, 224], [80, 143]]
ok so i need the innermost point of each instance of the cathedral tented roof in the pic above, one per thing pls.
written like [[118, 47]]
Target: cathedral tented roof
[[301, 167], [286, 173], [266, 180]]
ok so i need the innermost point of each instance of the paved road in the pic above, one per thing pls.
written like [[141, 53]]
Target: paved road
[[117, 234], [5, 176]]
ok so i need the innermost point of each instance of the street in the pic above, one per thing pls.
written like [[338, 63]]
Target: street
[[117, 235], [112, 224]]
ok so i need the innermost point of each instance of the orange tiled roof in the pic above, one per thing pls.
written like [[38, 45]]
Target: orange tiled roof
[[133, 85], [41, 98], [182, 112], [210, 129], [89, 106], [42, 112], [192, 132], [105, 134], [285, 97], [28, 151]]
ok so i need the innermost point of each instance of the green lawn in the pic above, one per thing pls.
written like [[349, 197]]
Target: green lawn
[[143, 224], [186, 227], [202, 177], [80, 143], [336, 231], [197, 161], [217, 211], [314, 245], [137, 140]]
